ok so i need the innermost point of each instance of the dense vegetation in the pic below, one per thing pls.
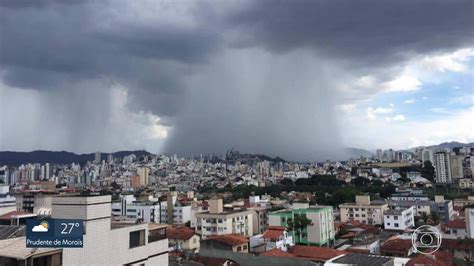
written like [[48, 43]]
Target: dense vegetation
[[327, 189]]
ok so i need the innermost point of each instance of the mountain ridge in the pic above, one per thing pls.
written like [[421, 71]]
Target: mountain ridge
[[58, 157]]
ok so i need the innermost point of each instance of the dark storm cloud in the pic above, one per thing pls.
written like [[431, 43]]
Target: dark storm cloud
[[51, 45], [364, 31], [255, 75]]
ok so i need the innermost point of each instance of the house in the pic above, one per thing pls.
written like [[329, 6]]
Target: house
[[438, 258], [184, 239], [455, 229], [459, 248], [230, 242], [396, 246], [277, 237]]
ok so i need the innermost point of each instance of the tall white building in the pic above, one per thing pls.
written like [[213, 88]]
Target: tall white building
[[143, 173], [456, 166], [97, 157], [399, 219], [443, 167], [427, 155]]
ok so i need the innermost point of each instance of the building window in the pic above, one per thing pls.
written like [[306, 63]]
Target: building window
[[157, 234], [395, 217], [239, 248], [396, 225], [137, 238]]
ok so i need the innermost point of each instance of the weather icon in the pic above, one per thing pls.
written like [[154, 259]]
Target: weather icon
[[42, 227]]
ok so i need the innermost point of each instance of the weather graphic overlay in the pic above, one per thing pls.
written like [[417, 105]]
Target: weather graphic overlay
[[60, 233]]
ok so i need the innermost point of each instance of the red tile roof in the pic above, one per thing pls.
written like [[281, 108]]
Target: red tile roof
[[318, 253], [457, 244], [439, 258], [276, 253], [274, 232], [229, 239], [397, 244], [460, 224], [180, 233], [8, 215]]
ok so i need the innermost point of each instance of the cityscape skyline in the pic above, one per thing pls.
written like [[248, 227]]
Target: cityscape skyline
[[205, 76]]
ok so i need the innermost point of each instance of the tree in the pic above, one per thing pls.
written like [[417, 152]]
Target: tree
[[360, 181], [428, 171], [286, 182], [298, 224], [435, 218]]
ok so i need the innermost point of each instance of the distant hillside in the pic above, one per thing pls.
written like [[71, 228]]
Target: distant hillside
[[357, 153], [446, 145], [57, 157], [451, 145]]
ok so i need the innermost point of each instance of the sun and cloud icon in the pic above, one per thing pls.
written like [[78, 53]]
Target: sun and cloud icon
[[42, 227]]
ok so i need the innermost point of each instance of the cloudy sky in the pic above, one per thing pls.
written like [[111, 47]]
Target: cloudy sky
[[299, 79]]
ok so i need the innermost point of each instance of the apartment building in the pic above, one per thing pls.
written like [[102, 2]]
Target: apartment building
[[35, 201], [399, 219], [440, 206], [174, 212], [320, 231], [260, 219], [107, 243], [363, 210], [217, 221], [168, 212], [443, 167]]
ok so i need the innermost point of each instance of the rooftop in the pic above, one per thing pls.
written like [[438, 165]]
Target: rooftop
[[276, 253], [181, 233], [460, 224], [439, 258], [15, 248], [362, 259], [274, 232], [394, 212], [229, 239], [318, 253], [14, 214], [398, 244]]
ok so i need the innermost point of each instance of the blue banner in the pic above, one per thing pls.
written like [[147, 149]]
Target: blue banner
[[54, 233]]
